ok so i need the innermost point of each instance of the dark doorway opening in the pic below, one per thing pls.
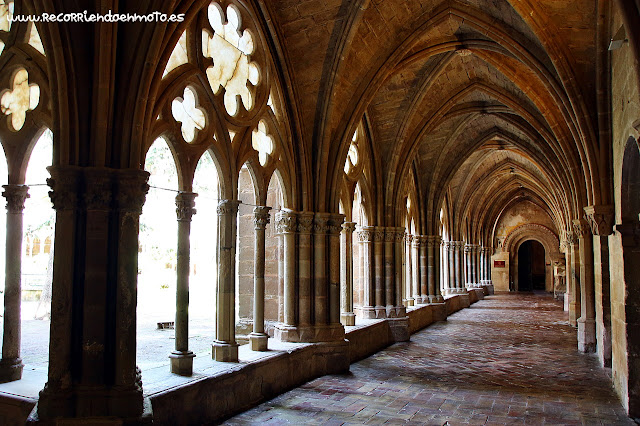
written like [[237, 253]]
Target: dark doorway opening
[[531, 274]]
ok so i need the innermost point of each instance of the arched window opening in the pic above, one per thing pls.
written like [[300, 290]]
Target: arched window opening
[[204, 262], [274, 286], [358, 216], [245, 256], [37, 265], [157, 259]]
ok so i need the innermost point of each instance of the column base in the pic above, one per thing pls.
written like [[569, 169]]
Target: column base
[[309, 333], [436, 299], [348, 318], [586, 335], [258, 341], [367, 312], [422, 300], [224, 352], [182, 362], [123, 404], [381, 312], [11, 370], [410, 301], [449, 291]]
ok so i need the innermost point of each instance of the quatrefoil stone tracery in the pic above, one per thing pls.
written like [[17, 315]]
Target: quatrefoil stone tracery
[[262, 142], [21, 98], [185, 111], [230, 50]]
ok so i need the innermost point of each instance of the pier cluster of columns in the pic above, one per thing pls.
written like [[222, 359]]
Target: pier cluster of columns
[[477, 266], [468, 266], [311, 276], [423, 269]]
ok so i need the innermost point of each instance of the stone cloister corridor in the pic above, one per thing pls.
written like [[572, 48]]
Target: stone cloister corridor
[[210, 203], [506, 360]]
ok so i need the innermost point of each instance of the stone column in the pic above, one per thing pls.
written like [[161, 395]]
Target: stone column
[[335, 226], [320, 279], [449, 247], [600, 220], [400, 310], [415, 279], [409, 282], [389, 270], [225, 347], [258, 338], [305, 227], [431, 268], [424, 278], [573, 278], [458, 260], [437, 245], [587, 320], [181, 359], [378, 247], [347, 317], [286, 226], [11, 364], [365, 236], [468, 256]]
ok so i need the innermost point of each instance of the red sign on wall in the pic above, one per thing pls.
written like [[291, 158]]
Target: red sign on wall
[[499, 264]]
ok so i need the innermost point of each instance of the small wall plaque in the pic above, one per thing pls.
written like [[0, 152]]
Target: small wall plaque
[[499, 264]]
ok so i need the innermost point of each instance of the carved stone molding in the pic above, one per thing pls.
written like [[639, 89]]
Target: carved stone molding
[[571, 238], [131, 189], [400, 234], [185, 206], [321, 223], [335, 223], [305, 222], [64, 183], [390, 235], [378, 234], [16, 196], [286, 222], [349, 227], [581, 228], [98, 188], [468, 248], [261, 217], [366, 234], [228, 207], [600, 219]]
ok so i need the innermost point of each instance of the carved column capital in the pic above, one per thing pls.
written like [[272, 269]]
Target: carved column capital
[[571, 238], [468, 248], [320, 223], [98, 188], [348, 227], [378, 234], [261, 217], [335, 223], [16, 196], [131, 189], [305, 222], [286, 222], [389, 234], [600, 219], [365, 235], [185, 206], [581, 228], [399, 234], [64, 182], [228, 207]]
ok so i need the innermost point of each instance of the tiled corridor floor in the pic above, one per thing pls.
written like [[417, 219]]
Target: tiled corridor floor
[[508, 359]]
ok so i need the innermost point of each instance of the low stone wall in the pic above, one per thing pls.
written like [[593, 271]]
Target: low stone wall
[[217, 396], [15, 409], [222, 395]]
